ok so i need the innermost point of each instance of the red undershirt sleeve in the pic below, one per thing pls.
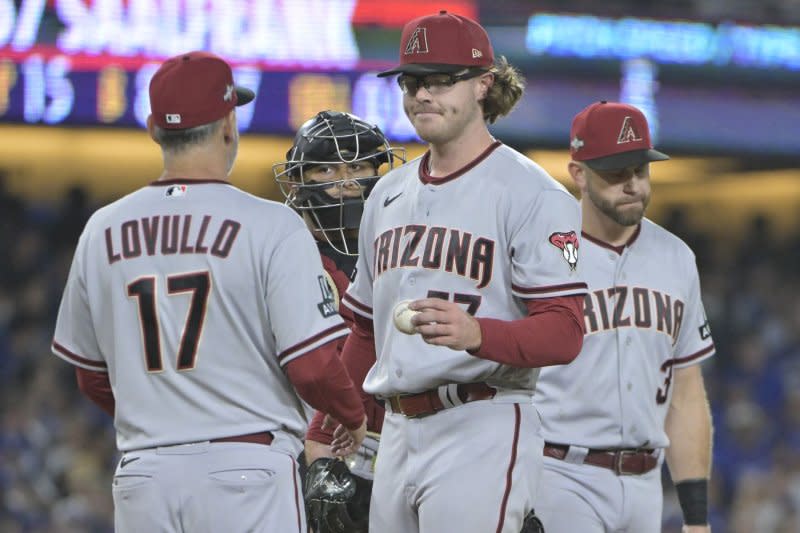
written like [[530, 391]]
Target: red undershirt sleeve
[[551, 334], [358, 356], [97, 387], [321, 380]]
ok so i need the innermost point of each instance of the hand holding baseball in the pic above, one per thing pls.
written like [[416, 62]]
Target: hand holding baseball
[[443, 323]]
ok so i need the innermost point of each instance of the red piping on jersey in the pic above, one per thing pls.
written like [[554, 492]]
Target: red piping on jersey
[[296, 497], [187, 181], [311, 340], [96, 365], [355, 303], [425, 177], [510, 471], [618, 249], [582, 287], [696, 355]]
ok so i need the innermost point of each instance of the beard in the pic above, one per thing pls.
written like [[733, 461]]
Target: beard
[[629, 217]]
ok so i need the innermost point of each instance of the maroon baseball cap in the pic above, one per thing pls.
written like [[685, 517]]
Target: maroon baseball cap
[[442, 43], [610, 135], [193, 89]]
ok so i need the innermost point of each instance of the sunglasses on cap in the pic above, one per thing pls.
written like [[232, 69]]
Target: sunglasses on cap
[[435, 84]]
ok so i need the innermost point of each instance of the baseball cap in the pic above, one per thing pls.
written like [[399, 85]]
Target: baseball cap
[[445, 43], [611, 135], [193, 89]]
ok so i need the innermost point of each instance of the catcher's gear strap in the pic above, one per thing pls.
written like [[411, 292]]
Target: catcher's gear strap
[[337, 501]]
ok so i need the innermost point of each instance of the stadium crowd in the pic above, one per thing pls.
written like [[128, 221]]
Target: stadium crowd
[[57, 450]]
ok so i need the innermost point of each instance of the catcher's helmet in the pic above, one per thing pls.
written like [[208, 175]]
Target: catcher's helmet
[[333, 137]]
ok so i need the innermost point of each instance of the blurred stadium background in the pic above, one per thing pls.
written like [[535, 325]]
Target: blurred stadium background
[[718, 79]]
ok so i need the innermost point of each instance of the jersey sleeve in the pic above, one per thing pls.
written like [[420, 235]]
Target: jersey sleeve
[[74, 339], [545, 248], [694, 339], [359, 294], [302, 310]]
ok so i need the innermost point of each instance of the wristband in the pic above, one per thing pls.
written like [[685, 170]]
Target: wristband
[[693, 497]]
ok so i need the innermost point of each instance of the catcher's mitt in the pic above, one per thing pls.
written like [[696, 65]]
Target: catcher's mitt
[[532, 524], [337, 501]]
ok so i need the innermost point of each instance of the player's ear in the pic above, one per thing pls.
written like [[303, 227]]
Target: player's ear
[[151, 129], [577, 172], [229, 127], [485, 82]]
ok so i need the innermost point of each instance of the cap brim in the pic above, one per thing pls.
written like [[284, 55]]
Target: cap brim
[[423, 68], [633, 158], [243, 95]]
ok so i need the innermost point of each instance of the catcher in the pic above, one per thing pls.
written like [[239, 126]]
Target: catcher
[[328, 174]]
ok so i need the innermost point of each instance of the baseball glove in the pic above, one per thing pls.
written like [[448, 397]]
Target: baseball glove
[[337, 501], [532, 524]]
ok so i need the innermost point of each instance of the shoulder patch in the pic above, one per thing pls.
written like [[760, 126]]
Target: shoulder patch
[[568, 244], [329, 305]]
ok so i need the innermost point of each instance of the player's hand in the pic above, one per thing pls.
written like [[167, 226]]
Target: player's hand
[[696, 529], [444, 323], [316, 450], [346, 441]]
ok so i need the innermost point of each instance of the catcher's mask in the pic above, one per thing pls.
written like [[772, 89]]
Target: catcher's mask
[[334, 207]]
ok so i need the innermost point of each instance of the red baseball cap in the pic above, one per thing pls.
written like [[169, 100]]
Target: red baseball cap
[[442, 43], [193, 89], [610, 135]]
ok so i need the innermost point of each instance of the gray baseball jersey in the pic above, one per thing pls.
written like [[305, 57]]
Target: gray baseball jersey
[[483, 238], [193, 296], [644, 317]]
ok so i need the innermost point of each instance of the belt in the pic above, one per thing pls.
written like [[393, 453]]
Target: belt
[[265, 438], [430, 401], [624, 462]]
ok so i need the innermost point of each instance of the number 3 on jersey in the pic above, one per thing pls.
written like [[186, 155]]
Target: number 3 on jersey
[[144, 290]]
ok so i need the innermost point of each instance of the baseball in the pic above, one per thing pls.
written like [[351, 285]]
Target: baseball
[[402, 317]]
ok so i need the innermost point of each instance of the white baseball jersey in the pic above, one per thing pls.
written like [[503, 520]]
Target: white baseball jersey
[[644, 318], [485, 237], [193, 296]]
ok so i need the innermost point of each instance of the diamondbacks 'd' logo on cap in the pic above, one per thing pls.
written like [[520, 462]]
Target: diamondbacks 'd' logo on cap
[[418, 42], [568, 244], [628, 133]]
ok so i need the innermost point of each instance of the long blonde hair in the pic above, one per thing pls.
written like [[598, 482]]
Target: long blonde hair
[[506, 91]]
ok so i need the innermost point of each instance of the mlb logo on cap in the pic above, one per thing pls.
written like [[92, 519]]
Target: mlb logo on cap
[[193, 89], [610, 135]]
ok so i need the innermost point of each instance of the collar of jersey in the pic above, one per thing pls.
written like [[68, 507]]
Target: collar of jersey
[[619, 249], [187, 181], [426, 178]]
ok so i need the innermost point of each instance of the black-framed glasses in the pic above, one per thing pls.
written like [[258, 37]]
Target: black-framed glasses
[[435, 84]]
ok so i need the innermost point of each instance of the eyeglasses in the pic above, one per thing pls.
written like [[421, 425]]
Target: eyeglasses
[[435, 84]]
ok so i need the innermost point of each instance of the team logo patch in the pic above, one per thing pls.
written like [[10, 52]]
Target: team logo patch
[[173, 191], [568, 244], [418, 42], [330, 297], [627, 132]]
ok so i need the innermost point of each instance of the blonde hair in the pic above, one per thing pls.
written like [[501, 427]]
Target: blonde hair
[[506, 91]]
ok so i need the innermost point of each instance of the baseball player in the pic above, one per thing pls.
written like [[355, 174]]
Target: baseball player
[[329, 172], [635, 395], [195, 314], [483, 241]]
